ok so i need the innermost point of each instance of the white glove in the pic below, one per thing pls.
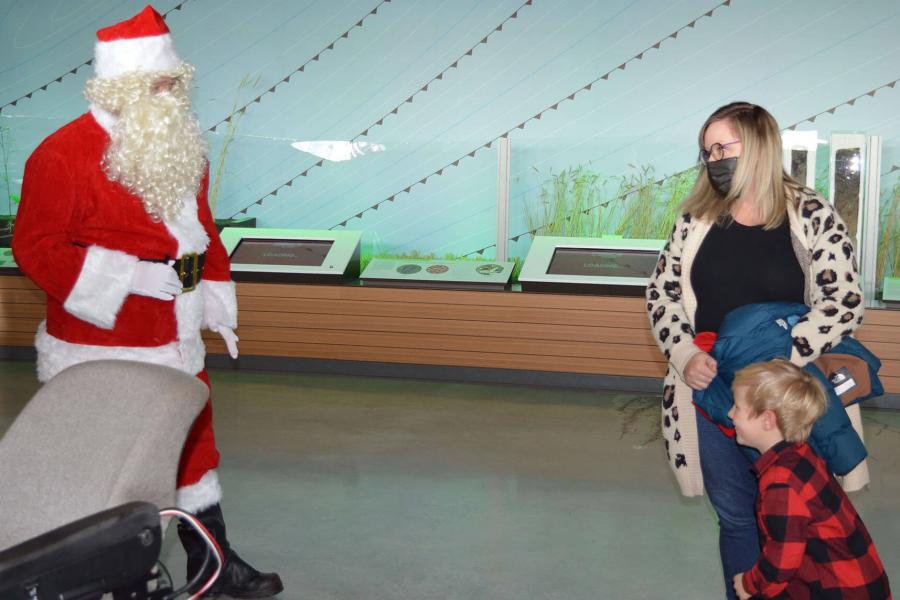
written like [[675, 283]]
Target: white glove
[[228, 337], [156, 280]]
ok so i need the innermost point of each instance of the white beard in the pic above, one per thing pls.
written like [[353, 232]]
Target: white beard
[[156, 148], [157, 152]]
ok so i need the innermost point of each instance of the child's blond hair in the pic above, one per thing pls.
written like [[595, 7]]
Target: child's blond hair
[[795, 396]]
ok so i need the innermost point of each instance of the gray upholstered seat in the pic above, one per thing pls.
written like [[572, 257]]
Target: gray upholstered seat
[[97, 435]]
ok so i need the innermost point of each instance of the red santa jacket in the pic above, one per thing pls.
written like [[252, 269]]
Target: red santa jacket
[[79, 237]]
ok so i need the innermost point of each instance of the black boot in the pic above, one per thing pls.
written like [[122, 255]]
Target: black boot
[[237, 579]]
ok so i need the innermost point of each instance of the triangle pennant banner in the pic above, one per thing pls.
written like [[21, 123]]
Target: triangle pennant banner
[[622, 66], [812, 119], [243, 211], [640, 56], [674, 35], [709, 14], [423, 180], [390, 198], [257, 99], [44, 87], [440, 75], [455, 63], [831, 110], [472, 154], [345, 35], [316, 57], [409, 99], [379, 122], [330, 46], [483, 40], [656, 45], [605, 77], [588, 86], [358, 23], [395, 111], [555, 106], [872, 93], [482, 251], [537, 116], [572, 96], [499, 28], [469, 52], [521, 125], [343, 223], [290, 183], [375, 206], [73, 71], [488, 145], [275, 192], [456, 163], [439, 172], [726, 3], [300, 68], [424, 88], [320, 163], [59, 79], [28, 95], [851, 102], [515, 238], [359, 215], [514, 15], [286, 79], [259, 202]]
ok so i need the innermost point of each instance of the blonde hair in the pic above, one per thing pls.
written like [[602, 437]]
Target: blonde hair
[[796, 397], [759, 169]]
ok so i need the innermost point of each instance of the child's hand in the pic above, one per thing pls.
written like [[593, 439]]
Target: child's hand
[[739, 587]]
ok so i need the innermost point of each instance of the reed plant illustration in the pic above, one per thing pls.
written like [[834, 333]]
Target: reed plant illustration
[[889, 237]]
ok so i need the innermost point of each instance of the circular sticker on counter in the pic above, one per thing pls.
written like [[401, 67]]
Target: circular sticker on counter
[[408, 269], [490, 269], [437, 269]]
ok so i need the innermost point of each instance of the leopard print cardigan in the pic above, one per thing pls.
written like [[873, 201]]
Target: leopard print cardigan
[[825, 252]]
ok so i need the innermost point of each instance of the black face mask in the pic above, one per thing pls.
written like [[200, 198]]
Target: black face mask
[[720, 172]]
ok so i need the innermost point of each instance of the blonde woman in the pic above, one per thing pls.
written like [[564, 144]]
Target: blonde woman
[[748, 233]]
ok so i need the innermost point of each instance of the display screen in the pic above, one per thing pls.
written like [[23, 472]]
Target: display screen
[[847, 165], [298, 253], [595, 262]]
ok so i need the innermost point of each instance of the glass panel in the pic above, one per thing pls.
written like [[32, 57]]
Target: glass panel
[[846, 186]]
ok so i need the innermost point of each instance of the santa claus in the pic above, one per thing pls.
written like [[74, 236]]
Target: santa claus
[[114, 226]]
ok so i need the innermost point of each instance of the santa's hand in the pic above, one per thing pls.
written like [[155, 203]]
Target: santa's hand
[[229, 338], [156, 280]]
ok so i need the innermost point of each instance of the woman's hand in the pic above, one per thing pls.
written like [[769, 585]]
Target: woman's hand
[[700, 371]]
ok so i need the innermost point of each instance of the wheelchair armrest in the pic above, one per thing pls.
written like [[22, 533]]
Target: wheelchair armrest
[[114, 548]]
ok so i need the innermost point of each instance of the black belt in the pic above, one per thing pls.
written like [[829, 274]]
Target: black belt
[[189, 268]]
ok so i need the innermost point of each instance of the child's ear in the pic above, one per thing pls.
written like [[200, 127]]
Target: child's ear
[[769, 420]]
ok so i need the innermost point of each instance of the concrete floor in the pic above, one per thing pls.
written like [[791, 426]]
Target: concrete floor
[[364, 488]]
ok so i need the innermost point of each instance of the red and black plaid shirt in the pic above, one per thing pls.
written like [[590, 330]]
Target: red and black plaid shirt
[[814, 543]]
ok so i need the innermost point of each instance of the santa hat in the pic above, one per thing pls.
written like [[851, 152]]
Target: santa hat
[[142, 43]]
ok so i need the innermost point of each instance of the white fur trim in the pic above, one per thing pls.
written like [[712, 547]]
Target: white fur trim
[[104, 118], [102, 285], [186, 228], [203, 494], [189, 318], [54, 354], [151, 53], [219, 304]]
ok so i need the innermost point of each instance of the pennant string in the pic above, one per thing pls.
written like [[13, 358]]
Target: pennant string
[[286, 79], [73, 71]]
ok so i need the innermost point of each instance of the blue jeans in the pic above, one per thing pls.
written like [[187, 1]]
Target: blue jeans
[[732, 488]]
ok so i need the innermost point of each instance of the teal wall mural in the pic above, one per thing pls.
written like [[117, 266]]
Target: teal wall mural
[[604, 96]]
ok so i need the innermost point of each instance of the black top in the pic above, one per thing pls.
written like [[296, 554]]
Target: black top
[[738, 265]]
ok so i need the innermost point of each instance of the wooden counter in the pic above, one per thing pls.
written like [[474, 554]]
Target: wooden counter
[[507, 330]]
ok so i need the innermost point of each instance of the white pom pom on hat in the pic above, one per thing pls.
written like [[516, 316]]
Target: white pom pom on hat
[[142, 43]]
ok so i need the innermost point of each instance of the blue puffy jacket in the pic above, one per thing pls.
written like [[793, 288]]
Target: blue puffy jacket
[[761, 332]]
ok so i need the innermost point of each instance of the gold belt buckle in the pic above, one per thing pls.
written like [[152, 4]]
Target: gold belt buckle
[[194, 272]]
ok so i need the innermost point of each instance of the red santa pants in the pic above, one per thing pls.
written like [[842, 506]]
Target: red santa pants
[[199, 454]]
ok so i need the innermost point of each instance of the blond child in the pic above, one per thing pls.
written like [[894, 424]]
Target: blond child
[[814, 544]]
